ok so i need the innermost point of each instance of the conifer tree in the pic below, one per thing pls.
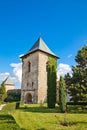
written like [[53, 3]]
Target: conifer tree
[[51, 82], [62, 94], [77, 84], [3, 93]]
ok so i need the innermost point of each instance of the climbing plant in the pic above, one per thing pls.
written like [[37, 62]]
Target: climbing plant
[[51, 82]]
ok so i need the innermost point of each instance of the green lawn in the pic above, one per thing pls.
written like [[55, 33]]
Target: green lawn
[[36, 117], [7, 121]]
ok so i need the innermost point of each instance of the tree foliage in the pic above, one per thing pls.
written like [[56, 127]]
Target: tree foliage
[[62, 94], [51, 82], [3, 93], [77, 84], [68, 79], [13, 95]]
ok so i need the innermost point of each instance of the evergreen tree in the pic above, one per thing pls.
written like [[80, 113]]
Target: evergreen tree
[[51, 81], [77, 86], [0, 93], [68, 81], [79, 79], [62, 94], [3, 93]]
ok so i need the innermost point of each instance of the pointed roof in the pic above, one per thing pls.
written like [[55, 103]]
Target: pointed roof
[[41, 46], [8, 81]]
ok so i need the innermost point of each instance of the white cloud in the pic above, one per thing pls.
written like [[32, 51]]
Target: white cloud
[[17, 70], [63, 69], [69, 56], [3, 76]]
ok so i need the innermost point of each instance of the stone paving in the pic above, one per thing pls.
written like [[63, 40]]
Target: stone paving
[[1, 106]]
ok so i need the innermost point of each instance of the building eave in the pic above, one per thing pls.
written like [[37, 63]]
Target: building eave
[[23, 56]]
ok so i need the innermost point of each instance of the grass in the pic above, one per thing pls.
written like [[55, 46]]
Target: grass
[[7, 121], [36, 117]]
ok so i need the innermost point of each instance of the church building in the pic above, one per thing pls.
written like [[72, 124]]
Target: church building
[[34, 73]]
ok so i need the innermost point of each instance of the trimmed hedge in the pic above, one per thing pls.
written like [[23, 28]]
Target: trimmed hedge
[[13, 95]]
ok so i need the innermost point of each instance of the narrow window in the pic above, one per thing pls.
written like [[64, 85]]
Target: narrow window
[[32, 84], [27, 83], [29, 66], [46, 66]]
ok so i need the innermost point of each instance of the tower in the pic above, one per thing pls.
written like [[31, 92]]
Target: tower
[[34, 73]]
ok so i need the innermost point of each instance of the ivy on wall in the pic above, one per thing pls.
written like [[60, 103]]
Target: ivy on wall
[[51, 82]]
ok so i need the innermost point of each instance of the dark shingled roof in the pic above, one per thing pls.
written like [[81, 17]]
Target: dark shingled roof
[[41, 46]]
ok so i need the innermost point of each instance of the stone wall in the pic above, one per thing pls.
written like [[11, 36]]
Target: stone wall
[[30, 79], [9, 87], [42, 77], [35, 81]]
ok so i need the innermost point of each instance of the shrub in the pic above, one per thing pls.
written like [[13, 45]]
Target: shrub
[[13, 95]]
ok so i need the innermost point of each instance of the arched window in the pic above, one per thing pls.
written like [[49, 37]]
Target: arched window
[[29, 66]]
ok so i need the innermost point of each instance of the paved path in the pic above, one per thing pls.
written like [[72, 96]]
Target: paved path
[[1, 106]]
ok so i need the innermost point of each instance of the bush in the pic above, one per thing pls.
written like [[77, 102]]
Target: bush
[[13, 95]]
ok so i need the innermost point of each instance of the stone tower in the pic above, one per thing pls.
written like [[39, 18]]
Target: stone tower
[[34, 73]]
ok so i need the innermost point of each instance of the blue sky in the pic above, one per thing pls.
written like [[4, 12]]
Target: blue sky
[[61, 23]]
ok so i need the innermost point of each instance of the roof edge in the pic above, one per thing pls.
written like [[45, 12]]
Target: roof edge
[[41, 51]]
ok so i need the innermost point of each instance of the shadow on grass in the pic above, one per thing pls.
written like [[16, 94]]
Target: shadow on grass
[[39, 109], [81, 122], [7, 122], [41, 129], [72, 123], [77, 109], [6, 117], [43, 109]]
